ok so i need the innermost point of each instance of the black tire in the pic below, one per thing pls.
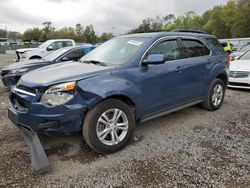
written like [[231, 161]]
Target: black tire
[[208, 103], [90, 124]]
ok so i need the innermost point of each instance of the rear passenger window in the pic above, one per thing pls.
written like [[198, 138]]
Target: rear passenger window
[[167, 48], [194, 48], [216, 43], [67, 43], [75, 55]]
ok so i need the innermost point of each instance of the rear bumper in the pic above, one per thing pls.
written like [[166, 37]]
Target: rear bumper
[[43, 118]]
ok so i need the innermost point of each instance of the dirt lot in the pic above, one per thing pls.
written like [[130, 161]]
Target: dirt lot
[[190, 148]]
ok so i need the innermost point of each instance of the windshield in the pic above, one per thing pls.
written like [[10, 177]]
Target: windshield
[[45, 44], [54, 55], [245, 48], [116, 51], [245, 56]]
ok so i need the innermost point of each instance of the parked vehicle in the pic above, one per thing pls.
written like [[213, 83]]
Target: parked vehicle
[[129, 79], [239, 76], [43, 50], [13, 72], [236, 55]]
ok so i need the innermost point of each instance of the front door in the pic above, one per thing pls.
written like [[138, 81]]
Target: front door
[[162, 85]]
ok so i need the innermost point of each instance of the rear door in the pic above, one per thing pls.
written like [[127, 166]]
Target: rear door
[[197, 63]]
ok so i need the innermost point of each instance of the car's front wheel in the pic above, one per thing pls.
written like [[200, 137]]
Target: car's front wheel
[[108, 126], [215, 95]]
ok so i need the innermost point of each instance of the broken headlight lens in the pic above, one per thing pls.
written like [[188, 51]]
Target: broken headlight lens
[[59, 94]]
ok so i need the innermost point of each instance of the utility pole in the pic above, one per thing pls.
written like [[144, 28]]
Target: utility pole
[[113, 30], [6, 33]]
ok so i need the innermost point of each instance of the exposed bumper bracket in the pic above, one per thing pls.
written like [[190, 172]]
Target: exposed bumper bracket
[[39, 160]]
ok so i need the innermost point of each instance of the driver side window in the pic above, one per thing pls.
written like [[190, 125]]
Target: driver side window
[[56, 45], [167, 48]]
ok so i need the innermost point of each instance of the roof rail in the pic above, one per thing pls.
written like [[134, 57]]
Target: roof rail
[[189, 31]]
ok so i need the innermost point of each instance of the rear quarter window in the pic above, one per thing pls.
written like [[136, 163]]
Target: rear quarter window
[[216, 44], [67, 43]]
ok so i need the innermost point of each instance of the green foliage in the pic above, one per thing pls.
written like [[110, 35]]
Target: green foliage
[[105, 36], [149, 25], [14, 35], [65, 33], [230, 20], [241, 24], [34, 34], [89, 34], [3, 33], [79, 34]]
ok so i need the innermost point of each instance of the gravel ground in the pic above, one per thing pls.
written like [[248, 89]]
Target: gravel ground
[[189, 148]]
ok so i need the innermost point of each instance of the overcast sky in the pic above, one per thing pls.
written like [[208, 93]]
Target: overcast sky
[[123, 15]]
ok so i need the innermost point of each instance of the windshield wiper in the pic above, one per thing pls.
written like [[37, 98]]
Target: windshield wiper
[[95, 62]]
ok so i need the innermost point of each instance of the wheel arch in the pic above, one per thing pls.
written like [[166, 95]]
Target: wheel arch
[[223, 77], [103, 89], [35, 57]]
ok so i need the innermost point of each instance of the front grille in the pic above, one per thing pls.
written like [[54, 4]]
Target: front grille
[[25, 88], [239, 84], [239, 74], [19, 103]]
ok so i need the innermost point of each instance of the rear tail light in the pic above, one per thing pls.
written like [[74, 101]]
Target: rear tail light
[[228, 59]]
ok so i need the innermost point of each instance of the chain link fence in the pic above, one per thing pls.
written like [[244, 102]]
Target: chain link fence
[[4, 48]]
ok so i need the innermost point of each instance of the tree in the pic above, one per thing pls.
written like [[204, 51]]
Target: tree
[[149, 25], [3, 33], [48, 31], [188, 21], [66, 32], [34, 34], [105, 37], [89, 34], [14, 35], [79, 32], [241, 26]]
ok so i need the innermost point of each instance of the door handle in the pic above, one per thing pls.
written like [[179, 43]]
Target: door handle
[[209, 61], [179, 69]]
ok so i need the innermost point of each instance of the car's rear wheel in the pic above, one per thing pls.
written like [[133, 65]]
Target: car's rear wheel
[[215, 96], [108, 126]]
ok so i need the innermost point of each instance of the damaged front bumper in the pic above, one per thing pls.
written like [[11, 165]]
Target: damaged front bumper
[[32, 117], [39, 160]]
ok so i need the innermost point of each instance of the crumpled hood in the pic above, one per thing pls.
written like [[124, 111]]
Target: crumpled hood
[[24, 64], [58, 73], [240, 65], [22, 50]]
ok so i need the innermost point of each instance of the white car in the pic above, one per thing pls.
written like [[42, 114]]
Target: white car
[[239, 76], [240, 52], [43, 50]]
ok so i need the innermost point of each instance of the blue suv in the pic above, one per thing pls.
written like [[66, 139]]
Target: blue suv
[[129, 79]]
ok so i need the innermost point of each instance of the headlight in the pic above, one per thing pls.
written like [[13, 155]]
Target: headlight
[[59, 94], [14, 71]]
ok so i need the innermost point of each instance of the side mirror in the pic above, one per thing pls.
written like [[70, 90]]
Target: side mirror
[[65, 59], [49, 48], [154, 59]]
